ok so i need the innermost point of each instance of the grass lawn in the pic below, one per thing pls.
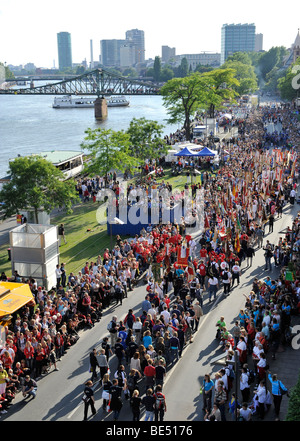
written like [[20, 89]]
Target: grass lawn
[[86, 238], [5, 264]]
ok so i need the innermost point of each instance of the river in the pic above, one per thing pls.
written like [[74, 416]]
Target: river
[[29, 124]]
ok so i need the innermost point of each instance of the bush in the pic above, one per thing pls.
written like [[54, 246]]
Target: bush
[[293, 413]]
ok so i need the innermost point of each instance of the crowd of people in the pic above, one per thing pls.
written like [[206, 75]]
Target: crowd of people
[[261, 327], [246, 194]]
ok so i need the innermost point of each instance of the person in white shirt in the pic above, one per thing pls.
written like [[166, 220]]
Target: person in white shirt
[[245, 413], [244, 385], [166, 315], [213, 284], [58, 274], [260, 395]]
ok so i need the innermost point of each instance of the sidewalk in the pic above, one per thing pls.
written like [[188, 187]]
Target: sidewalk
[[287, 366]]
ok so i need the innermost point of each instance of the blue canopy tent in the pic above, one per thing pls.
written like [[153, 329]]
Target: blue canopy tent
[[206, 152], [186, 152]]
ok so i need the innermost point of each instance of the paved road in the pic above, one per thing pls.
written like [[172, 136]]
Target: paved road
[[59, 393]]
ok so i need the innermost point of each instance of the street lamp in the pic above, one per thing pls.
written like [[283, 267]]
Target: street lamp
[[235, 364]]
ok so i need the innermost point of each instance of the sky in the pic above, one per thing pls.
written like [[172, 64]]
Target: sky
[[28, 29]]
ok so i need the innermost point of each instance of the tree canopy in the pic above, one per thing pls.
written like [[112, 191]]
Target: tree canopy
[[146, 139], [36, 183], [108, 150]]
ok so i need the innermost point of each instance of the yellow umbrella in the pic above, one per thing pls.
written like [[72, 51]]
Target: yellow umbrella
[[13, 296]]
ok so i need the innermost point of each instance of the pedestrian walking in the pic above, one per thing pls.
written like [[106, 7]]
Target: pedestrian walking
[[93, 364], [135, 403], [160, 407], [88, 399], [213, 285], [278, 390], [103, 364], [149, 402], [115, 398], [207, 390]]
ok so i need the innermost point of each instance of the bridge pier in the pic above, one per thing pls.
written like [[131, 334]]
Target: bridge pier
[[100, 106]]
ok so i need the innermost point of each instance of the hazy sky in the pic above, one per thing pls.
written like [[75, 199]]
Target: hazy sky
[[28, 29]]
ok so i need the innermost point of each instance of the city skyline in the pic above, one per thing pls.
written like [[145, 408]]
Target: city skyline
[[28, 32]]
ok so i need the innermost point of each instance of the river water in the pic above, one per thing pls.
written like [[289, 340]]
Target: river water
[[29, 124]]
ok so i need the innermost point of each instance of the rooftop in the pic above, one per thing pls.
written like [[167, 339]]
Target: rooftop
[[59, 156]]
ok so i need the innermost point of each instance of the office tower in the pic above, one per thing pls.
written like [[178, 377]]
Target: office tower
[[136, 38], [237, 38], [258, 42], [110, 52], [127, 55], [167, 53], [64, 50]]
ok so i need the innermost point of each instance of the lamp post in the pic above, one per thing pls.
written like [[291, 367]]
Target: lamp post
[[235, 363]]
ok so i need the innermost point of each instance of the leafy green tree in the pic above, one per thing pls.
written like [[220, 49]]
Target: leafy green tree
[[108, 150], [270, 59], [36, 183], [289, 84], [183, 69], [8, 73], [201, 68], [242, 57], [166, 74], [244, 74], [157, 69], [146, 139], [221, 86]]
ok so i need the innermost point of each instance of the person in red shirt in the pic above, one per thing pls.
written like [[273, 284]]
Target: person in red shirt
[[39, 360], [203, 254], [149, 373], [29, 354], [202, 272]]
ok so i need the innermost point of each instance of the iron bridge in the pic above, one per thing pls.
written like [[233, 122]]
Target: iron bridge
[[97, 82]]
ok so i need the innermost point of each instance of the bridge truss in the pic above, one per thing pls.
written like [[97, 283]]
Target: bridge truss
[[97, 82]]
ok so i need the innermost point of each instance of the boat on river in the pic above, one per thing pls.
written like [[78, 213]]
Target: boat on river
[[69, 101]]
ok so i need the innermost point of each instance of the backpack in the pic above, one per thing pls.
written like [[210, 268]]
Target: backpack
[[130, 382], [251, 376], [225, 275], [160, 401], [109, 326]]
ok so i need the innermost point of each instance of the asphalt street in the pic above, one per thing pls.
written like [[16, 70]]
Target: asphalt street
[[59, 392]]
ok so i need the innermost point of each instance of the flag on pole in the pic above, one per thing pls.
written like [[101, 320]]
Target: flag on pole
[[237, 245]]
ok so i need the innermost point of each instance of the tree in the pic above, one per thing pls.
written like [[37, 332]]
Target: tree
[[36, 183], [221, 86], [157, 69], [109, 150], [145, 139], [244, 73], [270, 59], [166, 74], [183, 69], [289, 84]]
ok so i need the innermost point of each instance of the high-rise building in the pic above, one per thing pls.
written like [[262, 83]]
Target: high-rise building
[[110, 52], [258, 42], [64, 50], [136, 38], [167, 53], [237, 38]]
